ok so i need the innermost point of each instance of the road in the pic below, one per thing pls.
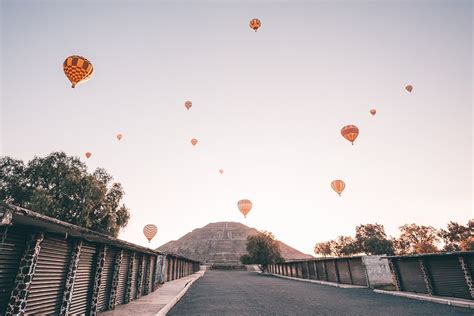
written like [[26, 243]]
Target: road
[[249, 293]]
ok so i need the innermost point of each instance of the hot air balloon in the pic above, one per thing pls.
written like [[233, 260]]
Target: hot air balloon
[[255, 24], [244, 206], [88, 155], [194, 141], [77, 69], [119, 136], [150, 231], [338, 186], [409, 88], [350, 132], [188, 104], [221, 171], [373, 111]]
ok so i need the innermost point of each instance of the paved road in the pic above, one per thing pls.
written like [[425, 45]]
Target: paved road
[[249, 293]]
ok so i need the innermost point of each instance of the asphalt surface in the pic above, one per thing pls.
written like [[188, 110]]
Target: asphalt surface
[[249, 293]]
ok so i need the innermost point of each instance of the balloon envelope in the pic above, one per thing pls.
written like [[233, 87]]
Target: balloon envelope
[[350, 132], [409, 88], [194, 141], [373, 111], [77, 69], [338, 186], [150, 231], [88, 155], [244, 206], [255, 24], [119, 136], [188, 104], [221, 171]]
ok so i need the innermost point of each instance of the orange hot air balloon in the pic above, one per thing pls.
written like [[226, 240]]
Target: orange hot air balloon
[[188, 104], [255, 24], [244, 206], [373, 111], [409, 88], [150, 231], [194, 141], [338, 186], [77, 69], [119, 136], [350, 132], [221, 171], [88, 155]]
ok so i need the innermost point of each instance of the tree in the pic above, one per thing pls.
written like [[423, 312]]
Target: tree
[[60, 186], [372, 240], [323, 248], [263, 249], [415, 239], [456, 237], [344, 246]]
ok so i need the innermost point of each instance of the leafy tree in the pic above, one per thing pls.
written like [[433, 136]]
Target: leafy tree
[[372, 240], [263, 249], [324, 248], [344, 246], [455, 237], [415, 239], [60, 186]]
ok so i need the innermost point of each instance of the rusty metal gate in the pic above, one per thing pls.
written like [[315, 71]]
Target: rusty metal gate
[[12, 245], [47, 286], [106, 279], [123, 276], [411, 277], [83, 286], [447, 276]]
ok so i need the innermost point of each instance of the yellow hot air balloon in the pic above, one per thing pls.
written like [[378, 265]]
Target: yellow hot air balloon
[[77, 69], [188, 104], [350, 132], [88, 155], [194, 141], [409, 88], [119, 136], [244, 206], [338, 186], [373, 112], [255, 24], [150, 231]]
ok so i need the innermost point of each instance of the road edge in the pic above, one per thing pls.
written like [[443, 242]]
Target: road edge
[[178, 297], [339, 285], [434, 299]]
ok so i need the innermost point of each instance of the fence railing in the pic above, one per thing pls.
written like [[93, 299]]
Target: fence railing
[[52, 267], [350, 270], [443, 274]]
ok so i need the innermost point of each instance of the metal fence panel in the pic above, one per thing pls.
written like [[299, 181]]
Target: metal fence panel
[[84, 283], [411, 277], [447, 277]]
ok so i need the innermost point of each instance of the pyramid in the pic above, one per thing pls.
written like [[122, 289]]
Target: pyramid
[[222, 243]]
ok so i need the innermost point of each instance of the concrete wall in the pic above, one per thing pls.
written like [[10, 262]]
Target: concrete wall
[[378, 271]]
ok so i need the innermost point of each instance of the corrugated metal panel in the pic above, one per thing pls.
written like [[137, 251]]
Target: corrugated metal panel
[[358, 271], [344, 274], [136, 263], [312, 270], [411, 277], [12, 245], [47, 286], [84, 283], [106, 279], [331, 270], [321, 272], [123, 276], [447, 277]]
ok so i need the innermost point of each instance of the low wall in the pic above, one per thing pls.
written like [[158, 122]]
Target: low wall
[[378, 271], [51, 267]]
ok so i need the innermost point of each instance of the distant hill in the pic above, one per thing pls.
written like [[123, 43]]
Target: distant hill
[[222, 242]]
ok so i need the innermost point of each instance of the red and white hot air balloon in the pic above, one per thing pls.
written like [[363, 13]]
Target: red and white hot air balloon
[[373, 112], [150, 231], [88, 155], [409, 88], [194, 141], [188, 104], [350, 132], [338, 186], [119, 136]]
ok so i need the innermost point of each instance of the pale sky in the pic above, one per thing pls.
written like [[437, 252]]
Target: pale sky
[[267, 108]]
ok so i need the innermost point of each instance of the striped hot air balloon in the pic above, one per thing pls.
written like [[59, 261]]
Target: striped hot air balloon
[[77, 69], [255, 24], [338, 186], [373, 112], [119, 136], [409, 88], [188, 104], [244, 206], [150, 231], [221, 171], [88, 155], [350, 132], [194, 141]]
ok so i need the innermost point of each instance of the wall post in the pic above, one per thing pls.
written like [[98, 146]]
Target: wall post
[[426, 276], [395, 274], [71, 277], [115, 280], [99, 267], [128, 289]]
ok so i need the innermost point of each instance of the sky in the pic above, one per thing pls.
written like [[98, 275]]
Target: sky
[[268, 107]]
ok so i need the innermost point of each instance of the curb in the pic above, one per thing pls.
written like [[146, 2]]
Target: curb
[[339, 285], [434, 299], [176, 299]]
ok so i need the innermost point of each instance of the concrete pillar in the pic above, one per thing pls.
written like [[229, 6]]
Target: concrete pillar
[[467, 275], [71, 277], [115, 279], [99, 266], [426, 276], [128, 289], [24, 276], [395, 274]]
